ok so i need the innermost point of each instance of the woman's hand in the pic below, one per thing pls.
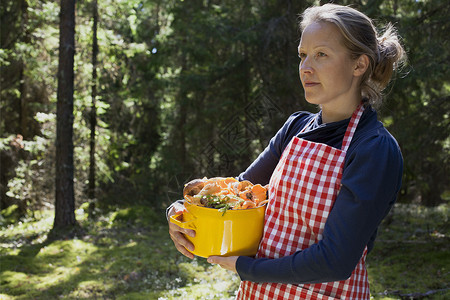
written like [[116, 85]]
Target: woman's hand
[[228, 263], [177, 235]]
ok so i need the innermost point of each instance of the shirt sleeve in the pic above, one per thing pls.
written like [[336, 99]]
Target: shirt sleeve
[[370, 183]]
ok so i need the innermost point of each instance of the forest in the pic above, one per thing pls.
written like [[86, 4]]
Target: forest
[[165, 91]]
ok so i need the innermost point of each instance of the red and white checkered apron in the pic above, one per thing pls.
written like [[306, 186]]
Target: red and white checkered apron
[[302, 190]]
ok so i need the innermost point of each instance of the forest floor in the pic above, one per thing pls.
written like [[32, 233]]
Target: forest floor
[[127, 254]]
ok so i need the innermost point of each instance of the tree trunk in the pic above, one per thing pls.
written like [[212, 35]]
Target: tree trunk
[[64, 192], [23, 113], [183, 108], [93, 113]]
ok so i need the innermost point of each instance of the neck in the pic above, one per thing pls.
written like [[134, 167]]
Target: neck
[[335, 114]]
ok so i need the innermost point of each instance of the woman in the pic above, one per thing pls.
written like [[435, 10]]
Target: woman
[[333, 176]]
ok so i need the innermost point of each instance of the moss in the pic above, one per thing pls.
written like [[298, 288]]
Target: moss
[[411, 253]]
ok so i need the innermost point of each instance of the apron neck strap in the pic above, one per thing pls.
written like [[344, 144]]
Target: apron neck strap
[[351, 128]]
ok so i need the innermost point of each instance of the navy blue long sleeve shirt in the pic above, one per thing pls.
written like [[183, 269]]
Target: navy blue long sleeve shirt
[[370, 182]]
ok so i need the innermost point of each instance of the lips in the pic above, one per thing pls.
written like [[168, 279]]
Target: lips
[[310, 83]]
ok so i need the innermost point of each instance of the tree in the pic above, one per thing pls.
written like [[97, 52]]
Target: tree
[[93, 112], [192, 88], [64, 191]]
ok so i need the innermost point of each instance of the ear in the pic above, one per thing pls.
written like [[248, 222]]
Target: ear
[[361, 65]]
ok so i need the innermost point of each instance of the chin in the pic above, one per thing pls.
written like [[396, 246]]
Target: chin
[[312, 100]]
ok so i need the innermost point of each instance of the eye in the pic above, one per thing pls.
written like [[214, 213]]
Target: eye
[[301, 55], [320, 54]]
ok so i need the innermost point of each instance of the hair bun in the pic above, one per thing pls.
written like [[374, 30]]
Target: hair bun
[[390, 56]]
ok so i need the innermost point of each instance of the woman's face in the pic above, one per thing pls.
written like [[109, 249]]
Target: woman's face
[[326, 68]]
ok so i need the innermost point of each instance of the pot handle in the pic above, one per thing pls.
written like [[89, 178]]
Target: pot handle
[[186, 225]]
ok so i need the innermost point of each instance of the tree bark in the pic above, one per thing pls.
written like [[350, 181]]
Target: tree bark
[[23, 110], [93, 113], [64, 192]]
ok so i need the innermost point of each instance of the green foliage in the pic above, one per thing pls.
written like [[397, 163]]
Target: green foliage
[[29, 171], [26, 51], [418, 102], [30, 184], [10, 215], [189, 89]]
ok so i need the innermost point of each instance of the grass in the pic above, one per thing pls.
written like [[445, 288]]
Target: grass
[[127, 254]]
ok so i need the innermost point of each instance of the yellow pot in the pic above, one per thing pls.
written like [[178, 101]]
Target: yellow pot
[[235, 232]]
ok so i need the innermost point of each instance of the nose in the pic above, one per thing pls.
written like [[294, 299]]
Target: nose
[[305, 66]]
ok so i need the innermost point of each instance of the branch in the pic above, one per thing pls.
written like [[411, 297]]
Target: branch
[[414, 295]]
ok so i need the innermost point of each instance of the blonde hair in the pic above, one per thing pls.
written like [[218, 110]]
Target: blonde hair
[[361, 37]]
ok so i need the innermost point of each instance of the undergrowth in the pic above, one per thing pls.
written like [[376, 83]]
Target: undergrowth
[[126, 253], [411, 257]]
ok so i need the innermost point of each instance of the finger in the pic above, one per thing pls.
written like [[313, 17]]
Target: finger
[[189, 232], [214, 259], [182, 244], [174, 227], [228, 263], [183, 251], [180, 239], [178, 234]]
